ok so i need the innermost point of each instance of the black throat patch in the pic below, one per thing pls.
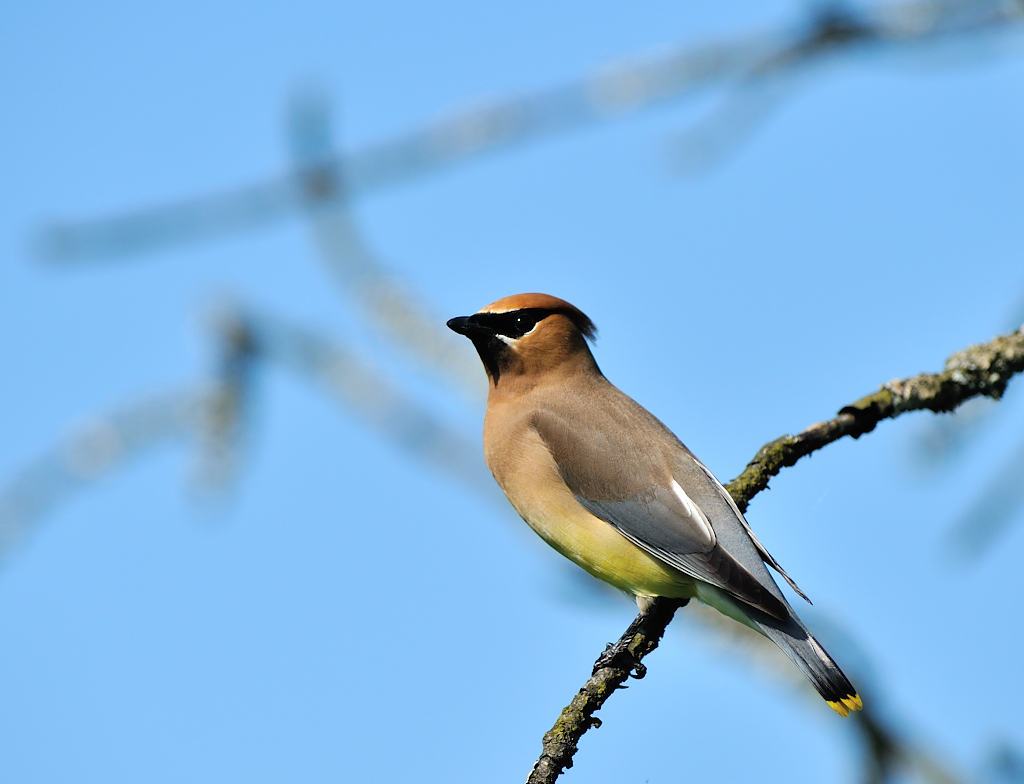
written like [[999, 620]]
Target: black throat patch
[[495, 352]]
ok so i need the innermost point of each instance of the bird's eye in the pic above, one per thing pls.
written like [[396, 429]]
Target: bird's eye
[[524, 323]]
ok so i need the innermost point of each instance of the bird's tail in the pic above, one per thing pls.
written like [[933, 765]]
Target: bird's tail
[[807, 654], [797, 643]]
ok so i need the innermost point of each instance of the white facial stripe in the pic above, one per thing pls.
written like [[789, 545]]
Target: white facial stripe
[[694, 513], [505, 338]]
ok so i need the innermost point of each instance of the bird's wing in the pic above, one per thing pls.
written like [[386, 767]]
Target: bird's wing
[[628, 484], [712, 495]]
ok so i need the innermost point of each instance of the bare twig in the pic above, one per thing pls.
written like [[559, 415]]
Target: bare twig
[[984, 369]]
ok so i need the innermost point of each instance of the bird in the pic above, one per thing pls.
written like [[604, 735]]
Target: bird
[[611, 488]]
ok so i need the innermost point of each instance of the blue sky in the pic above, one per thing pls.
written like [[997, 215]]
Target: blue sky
[[349, 613]]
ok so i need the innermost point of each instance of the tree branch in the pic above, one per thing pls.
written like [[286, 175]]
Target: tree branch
[[611, 670], [983, 369]]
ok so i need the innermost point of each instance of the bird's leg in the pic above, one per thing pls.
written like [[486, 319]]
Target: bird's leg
[[645, 603], [640, 638]]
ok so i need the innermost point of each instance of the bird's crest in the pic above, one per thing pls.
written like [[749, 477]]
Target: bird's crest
[[537, 301]]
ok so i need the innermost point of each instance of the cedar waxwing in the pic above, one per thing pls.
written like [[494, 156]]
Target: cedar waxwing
[[612, 489]]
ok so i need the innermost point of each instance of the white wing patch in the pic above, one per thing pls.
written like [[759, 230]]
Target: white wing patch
[[697, 518]]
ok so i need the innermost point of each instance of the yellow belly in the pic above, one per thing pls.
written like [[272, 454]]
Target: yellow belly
[[526, 472], [597, 547]]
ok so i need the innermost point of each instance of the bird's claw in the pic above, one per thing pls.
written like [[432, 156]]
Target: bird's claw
[[619, 656]]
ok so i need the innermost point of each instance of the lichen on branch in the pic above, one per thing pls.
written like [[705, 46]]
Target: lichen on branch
[[981, 370]]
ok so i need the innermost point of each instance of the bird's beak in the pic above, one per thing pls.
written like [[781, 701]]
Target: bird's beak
[[469, 326]]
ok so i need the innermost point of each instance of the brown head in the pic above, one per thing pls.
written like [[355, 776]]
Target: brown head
[[528, 335]]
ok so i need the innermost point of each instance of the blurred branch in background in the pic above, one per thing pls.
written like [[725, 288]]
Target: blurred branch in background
[[362, 390], [385, 300], [1005, 764], [92, 452], [940, 442], [218, 418], [998, 503], [886, 746], [226, 416], [752, 63]]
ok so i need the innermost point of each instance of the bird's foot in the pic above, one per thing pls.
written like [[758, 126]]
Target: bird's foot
[[621, 656]]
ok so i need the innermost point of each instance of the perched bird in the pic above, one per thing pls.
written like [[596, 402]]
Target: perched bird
[[612, 489]]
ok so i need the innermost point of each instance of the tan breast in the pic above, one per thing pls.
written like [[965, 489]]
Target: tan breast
[[529, 477]]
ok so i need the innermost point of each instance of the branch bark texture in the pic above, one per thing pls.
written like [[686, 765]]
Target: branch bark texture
[[983, 369]]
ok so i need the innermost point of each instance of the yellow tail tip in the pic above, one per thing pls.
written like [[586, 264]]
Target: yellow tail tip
[[846, 704]]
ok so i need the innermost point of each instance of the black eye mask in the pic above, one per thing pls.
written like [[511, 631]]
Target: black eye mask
[[516, 323]]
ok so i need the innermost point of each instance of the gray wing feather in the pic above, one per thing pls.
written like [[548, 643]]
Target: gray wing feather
[[656, 526], [622, 473], [720, 497]]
